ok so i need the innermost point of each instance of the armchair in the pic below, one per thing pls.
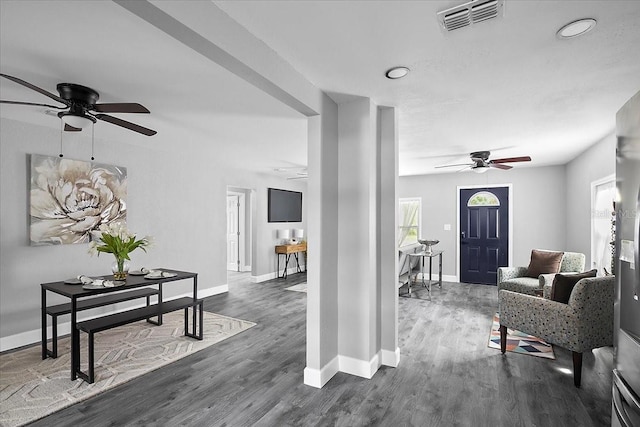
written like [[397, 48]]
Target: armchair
[[585, 323], [515, 279]]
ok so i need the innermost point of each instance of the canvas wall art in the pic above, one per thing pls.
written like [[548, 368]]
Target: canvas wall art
[[71, 198]]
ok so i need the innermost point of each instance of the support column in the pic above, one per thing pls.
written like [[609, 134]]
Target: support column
[[388, 235], [322, 226]]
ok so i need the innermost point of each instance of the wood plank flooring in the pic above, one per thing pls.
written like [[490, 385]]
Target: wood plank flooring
[[447, 374]]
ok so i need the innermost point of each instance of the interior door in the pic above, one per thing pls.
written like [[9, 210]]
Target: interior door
[[233, 235], [484, 233]]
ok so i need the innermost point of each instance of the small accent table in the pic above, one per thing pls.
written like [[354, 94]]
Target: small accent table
[[421, 256], [287, 251]]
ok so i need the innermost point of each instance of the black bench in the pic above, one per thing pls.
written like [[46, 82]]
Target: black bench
[[61, 309], [104, 323]]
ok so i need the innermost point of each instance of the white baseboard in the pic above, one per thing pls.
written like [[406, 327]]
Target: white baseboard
[[246, 268], [319, 377], [360, 368], [34, 336], [390, 358], [274, 275], [448, 278]]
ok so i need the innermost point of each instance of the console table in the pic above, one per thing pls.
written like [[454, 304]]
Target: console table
[[287, 251], [79, 301], [421, 257]]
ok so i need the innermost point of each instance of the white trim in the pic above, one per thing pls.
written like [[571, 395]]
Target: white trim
[[34, 336], [469, 187], [274, 275], [390, 358], [605, 180], [448, 278], [360, 368], [319, 377], [246, 268]]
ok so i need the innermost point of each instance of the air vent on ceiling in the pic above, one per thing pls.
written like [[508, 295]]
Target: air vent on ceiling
[[470, 13]]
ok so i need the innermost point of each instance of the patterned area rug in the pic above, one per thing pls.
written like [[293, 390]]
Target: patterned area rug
[[519, 342], [32, 388], [300, 287]]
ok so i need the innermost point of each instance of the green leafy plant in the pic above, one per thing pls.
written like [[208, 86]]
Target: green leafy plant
[[115, 238]]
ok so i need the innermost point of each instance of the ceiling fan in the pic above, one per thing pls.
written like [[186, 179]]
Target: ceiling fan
[[81, 107], [480, 162], [299, 172]]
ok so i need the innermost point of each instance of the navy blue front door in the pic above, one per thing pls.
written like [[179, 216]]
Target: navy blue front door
[[484, 233]]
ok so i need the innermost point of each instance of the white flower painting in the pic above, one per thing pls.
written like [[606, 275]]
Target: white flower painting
[[71, 198]]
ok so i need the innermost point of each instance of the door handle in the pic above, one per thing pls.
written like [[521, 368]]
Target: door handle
[[463, 235]]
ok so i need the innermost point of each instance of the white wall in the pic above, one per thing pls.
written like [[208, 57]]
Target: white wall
[[178, 199], [597, 162], [538, 208]]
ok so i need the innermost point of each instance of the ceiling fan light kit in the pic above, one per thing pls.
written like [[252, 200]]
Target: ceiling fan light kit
[[78, 121]]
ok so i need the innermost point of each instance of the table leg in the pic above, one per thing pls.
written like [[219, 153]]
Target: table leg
[[430, 265], [43, 320], [278, 268], [75, 341], [195, 297], [297, 263], [286, 266], [440, 270], [159, 304]]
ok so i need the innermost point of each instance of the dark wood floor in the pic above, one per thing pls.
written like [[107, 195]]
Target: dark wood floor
[[447, 374]]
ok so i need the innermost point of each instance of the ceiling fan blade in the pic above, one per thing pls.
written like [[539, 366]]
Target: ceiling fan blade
[[125, 124], [69, 128], [511, 159], [500, 166], [36, 88], [32, 103], [450, 166], [120, 107]]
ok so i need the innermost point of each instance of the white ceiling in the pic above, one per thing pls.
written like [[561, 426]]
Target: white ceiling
[[506, 85], [502, 83]]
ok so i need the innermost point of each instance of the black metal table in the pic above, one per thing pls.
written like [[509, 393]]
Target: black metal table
[[76, 292]]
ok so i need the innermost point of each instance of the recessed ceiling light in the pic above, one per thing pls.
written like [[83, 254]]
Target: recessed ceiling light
[[576, 28], [397, 72]]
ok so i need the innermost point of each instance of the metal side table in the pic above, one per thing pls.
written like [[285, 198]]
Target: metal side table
[[421, 258]]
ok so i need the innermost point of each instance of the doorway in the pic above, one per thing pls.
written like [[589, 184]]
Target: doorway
[[603, 193], [484, 227], [233, 232], [238, 229]]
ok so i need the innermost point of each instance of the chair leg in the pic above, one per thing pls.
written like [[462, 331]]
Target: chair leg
[[577, 368], [503, 339]]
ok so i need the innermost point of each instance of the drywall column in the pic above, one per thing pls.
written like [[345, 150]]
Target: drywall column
[[359, 298], [322, 231], [387, 234]]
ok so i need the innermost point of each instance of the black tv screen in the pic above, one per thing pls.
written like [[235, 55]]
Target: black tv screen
[[284, 206]]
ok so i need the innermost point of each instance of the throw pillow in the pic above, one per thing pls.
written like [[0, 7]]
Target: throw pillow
[[563, 285], [544, 262]]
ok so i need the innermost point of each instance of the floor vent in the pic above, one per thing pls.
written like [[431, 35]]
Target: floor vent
[[470, 13]]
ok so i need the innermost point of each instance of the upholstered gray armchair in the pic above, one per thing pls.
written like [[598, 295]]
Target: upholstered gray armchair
[[515, 279], [585, 323]]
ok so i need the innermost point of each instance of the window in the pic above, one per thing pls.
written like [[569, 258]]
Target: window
[[483, 198], [410, 218]]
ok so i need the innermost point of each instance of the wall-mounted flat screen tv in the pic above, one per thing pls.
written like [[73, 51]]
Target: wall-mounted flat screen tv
[[284, 206]]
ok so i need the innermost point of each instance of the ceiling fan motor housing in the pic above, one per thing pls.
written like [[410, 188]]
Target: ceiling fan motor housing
[[78, 94]]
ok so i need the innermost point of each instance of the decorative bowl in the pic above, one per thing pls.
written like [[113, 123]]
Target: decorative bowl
[[428, 244]]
